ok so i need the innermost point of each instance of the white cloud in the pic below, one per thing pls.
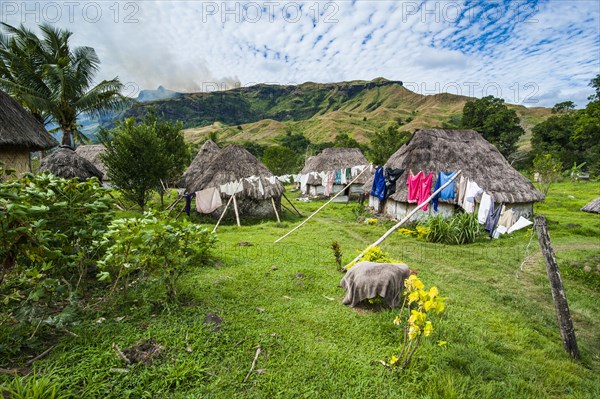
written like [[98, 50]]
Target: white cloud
[[549, 54]]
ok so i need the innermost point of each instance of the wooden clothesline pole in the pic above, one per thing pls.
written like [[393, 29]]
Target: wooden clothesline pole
[[275, 209], [226, 206], [324, 205], [390, 231]]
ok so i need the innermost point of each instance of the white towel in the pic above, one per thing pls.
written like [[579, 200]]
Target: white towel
[[208, 200]]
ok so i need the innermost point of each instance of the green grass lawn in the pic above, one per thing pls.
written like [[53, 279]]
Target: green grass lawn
[[500, 325]]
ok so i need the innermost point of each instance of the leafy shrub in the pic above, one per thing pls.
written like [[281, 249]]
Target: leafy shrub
[[462, 228], [160, 248], [375, 254], [47, 229]]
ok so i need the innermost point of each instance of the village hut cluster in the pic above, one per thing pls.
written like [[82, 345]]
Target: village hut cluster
[[215, 176], [332, 170], [20, 135], [433, 155]]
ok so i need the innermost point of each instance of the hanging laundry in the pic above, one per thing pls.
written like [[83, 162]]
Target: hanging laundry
[[507, 218], [425, 189], [485, 207], [348, 175], [460, 190], [414, 186], [188, 202], [338, 177], [492, 219], [520, 224], [329, 183], [208, 200], [378, 189], [447, 193], [391, 177], [471, 193]]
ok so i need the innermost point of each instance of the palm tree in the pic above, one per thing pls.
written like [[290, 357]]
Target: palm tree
[[54, 81]]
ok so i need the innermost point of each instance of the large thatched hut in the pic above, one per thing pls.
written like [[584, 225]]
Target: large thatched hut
[[64, 162], [234, 171], [593, 206], [200, 163], [442, 150], [92, 153], [330, 171], [20, 134]]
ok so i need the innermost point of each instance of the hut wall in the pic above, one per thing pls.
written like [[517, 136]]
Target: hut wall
[[315, 190], [18, 159], [250, 208]]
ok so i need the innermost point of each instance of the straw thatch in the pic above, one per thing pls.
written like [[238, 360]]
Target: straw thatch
[[199, 165], [18, 128], [437, 150], [92, 153], [593, 206], [332, 159], [65, 163], [233, 164]]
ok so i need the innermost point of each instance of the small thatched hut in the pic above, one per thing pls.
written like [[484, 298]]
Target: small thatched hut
[[92, 153], [20, 134], [337, 165], [593, 206], [234, 170], [65, 163], [442, 150], [200, 163]]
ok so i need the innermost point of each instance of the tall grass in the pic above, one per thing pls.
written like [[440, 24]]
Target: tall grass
[[462, 228]]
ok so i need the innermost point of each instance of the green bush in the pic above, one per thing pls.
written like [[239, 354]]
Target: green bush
[[155, 247], [462, 228]]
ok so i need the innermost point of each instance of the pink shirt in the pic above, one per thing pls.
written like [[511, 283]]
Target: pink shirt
[[425, 189], [414, 186]]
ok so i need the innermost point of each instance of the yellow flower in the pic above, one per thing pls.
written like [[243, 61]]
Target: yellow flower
[[417, 283], [417, 318], [394, 360], [414, 296], [433, 292], [440, 306], [397, 320], [413, 332], [408, 283], [430, 304], [428, 329], [442, 343]]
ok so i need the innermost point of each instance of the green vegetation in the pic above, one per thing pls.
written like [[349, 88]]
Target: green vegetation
[[498, 337], [497, 123], [52, 80], [572, 136], [143, 158], [385, 143]]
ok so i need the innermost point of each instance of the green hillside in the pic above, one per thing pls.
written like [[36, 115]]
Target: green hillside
[[319, 111]]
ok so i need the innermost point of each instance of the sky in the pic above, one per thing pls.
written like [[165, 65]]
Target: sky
[[534, 53]]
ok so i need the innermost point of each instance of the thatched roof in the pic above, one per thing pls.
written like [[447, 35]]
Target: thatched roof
[[332, 159], [436, 150], [233, 164], [18, 128], [92, 154], [199, 165], [593, 206], [65, 163]]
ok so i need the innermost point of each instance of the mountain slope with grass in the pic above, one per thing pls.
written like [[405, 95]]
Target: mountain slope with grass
[[319, 111]]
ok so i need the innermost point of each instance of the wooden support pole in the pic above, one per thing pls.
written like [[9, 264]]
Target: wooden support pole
[[323, 206], [222, 214], [390, 231], [292, 204], [565, 323], [275, 209], [235, 209]]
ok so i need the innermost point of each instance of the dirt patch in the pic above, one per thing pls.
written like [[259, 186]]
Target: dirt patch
[[213, 322], [144, 352]]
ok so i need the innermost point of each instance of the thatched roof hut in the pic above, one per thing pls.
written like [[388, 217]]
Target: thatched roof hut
[[328, 161], [65, 163], [235, 170], [20, 134], [443, 150], [92, 153], [593, 206], [199, 165]]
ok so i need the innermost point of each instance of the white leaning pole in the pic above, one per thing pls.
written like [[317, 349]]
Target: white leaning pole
[[324, 205], [400, 223]]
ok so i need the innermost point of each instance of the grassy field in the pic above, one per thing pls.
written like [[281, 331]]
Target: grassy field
[[500, 326]]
